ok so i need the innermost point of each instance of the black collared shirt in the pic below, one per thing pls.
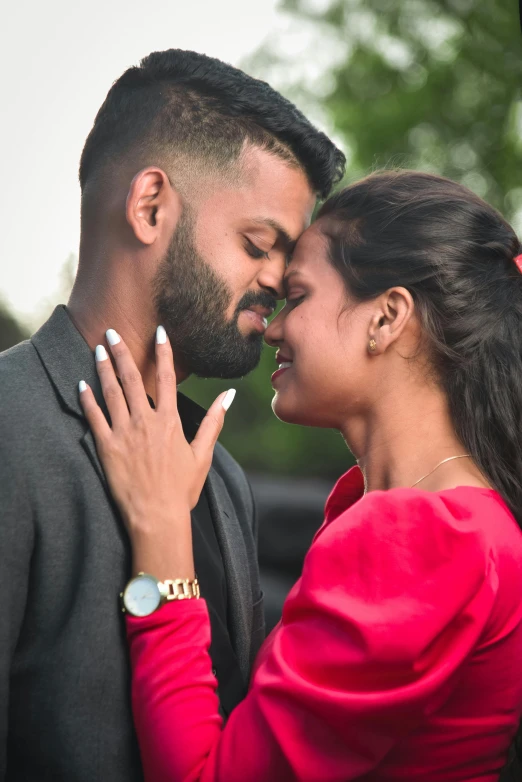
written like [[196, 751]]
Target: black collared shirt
[[212, 579]]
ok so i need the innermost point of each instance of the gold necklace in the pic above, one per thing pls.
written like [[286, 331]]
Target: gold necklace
[[449, 459]]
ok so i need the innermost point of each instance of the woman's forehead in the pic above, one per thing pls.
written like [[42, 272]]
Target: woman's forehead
[[310, 244]]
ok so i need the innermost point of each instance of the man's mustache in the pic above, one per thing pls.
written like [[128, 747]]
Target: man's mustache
[[251, 298]]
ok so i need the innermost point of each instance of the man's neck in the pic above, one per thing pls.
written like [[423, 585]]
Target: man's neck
[[93, 318]]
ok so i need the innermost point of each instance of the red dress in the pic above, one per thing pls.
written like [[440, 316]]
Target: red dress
[[398, 656]]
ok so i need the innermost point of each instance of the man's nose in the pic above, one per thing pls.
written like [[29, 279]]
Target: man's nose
[[271, 275]]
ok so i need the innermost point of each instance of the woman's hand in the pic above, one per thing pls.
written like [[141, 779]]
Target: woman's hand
[[154, 474]]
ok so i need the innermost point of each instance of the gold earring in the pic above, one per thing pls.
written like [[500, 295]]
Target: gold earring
[[372, 345]]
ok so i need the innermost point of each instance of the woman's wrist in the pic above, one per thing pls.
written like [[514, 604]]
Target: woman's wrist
[[163, 549], [152, 521]]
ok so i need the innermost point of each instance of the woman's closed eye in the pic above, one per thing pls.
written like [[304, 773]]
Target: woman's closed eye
[[293, 300]]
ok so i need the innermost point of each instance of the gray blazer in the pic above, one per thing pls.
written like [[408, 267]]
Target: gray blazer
[[65, 712]]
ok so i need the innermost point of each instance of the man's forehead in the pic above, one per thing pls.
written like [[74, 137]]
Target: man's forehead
[[277, 181]]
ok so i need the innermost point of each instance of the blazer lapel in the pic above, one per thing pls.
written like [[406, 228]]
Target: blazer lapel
[[89, 445], [233, 552], [68, 359]]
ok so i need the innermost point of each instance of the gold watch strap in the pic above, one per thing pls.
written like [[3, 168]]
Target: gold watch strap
[[181, 589]]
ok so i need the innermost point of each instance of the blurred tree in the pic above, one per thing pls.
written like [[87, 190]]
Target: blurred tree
[[60, 294], [11, 332], [428, 84]]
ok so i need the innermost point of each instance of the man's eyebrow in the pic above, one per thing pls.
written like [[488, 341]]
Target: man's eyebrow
[[282, 235]]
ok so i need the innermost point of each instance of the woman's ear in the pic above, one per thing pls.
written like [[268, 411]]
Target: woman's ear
[[394, 311], [153, 207]]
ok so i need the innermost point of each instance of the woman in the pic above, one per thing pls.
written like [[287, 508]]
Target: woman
[[398, 654]]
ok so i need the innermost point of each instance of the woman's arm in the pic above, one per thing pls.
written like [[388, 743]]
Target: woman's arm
[[392, 600]]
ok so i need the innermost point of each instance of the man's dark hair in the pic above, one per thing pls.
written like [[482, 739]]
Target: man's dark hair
[[187, 105]]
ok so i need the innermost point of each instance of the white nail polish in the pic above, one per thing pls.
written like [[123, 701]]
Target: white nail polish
[[161, 335], [82, 386], [101, 353], [112, 337], [229, 398]]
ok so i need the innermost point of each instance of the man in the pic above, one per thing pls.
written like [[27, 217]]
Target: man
[[196, 182]]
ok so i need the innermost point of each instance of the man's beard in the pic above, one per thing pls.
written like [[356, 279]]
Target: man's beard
[[192, 301]]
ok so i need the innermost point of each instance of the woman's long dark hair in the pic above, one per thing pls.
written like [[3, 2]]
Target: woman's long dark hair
[[455, 254]]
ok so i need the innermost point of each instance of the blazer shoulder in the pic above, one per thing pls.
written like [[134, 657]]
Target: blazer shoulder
[[24, 386], [20, 367], [19, 355]]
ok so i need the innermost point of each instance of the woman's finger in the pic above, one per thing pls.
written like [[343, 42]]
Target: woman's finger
[[166, 393], [129, 375], [111, 389], [210, 428], [95, 417]]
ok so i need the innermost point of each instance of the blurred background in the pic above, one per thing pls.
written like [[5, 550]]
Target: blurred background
[[428, 84]]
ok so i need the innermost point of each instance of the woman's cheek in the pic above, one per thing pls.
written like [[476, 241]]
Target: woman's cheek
[[296, 327]]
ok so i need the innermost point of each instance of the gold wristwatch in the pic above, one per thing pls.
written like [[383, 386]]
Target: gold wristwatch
[[144, 594]]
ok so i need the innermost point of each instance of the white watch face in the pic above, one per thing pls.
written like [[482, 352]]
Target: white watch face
[[142, 596]]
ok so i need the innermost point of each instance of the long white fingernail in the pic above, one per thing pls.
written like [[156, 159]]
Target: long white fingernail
[[229, 398], [82, 386], [112, 337], [161, 335], [101, 353]]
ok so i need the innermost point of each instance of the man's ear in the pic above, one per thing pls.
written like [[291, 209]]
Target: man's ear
[[395, 310], [153, 207]]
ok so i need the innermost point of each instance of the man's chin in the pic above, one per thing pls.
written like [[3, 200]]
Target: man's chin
[[219, 373], [227, 357], [227, 370]]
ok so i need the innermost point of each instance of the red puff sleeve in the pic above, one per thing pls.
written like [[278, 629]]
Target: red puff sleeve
[[394, 596]]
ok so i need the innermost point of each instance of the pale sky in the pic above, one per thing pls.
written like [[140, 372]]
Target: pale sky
[[58, 59]]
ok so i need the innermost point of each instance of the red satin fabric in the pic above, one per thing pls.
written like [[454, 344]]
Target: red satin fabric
[[398, 657]]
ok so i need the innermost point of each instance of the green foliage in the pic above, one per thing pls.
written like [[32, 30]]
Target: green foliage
[[429, 84], [425, 84]]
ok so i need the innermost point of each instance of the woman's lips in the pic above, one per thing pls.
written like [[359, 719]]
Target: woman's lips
[[283, 367]]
